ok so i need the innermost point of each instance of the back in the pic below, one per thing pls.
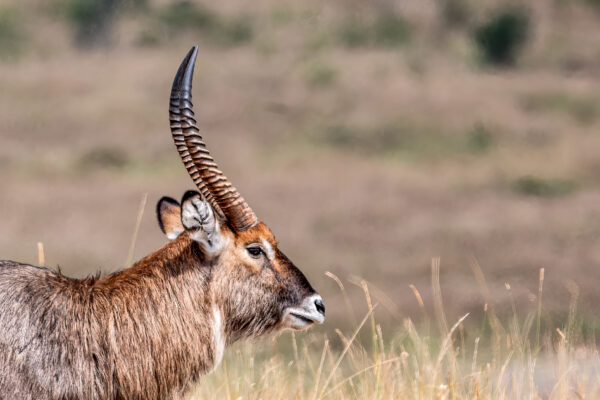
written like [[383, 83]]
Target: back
[[38, 347]]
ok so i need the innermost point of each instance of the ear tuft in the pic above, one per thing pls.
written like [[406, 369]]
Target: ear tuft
[[190, 194], [196, 214], [200, 222], [168, 212]]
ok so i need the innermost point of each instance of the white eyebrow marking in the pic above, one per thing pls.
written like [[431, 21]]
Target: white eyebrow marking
[[269, 249]]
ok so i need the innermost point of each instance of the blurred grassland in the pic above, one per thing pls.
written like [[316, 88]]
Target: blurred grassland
[[514, 358], [369, 136]]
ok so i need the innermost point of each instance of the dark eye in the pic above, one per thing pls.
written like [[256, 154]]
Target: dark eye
[[255, 251]]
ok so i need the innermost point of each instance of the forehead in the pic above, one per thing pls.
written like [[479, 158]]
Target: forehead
[[256, 235]]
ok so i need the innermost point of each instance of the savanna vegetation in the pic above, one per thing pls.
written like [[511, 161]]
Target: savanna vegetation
[[371, 137]]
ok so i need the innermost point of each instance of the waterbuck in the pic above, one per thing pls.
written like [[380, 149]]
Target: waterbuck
[[151, 330]]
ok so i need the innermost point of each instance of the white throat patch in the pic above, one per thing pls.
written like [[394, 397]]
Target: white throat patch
[[218, 336]]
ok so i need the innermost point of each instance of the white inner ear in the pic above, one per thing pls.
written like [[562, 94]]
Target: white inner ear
[[199, 220], [169, 217]]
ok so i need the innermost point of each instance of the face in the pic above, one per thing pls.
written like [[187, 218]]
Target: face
[[257, 287], [265, 291]]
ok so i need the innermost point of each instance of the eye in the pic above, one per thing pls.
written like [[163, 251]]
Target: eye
[[255, 251]]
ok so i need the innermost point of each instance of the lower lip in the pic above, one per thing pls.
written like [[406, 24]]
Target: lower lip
[[300, 317]]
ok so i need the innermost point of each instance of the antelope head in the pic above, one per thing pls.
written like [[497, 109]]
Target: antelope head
[[254, 287]]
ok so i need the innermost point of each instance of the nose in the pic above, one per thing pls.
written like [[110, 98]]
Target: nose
[[320, 306]]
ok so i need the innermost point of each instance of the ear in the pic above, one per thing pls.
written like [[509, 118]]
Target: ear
[[168, 212], [201, 223]]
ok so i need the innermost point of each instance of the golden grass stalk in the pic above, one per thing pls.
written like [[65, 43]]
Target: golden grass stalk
[[138, 223], [346, 348], [41, 255], [539, 309]]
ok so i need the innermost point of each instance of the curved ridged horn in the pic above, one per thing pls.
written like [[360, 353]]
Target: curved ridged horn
[[175, 119], [205, 173]]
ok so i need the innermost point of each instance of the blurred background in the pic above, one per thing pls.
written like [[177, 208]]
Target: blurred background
[[370, 136]]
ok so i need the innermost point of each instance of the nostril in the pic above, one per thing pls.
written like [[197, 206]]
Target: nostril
[[320, 306]]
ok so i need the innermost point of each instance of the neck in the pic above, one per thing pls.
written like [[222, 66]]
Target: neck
[[163, 317]]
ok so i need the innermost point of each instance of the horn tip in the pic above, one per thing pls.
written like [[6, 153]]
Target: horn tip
[[185, 72], [190, 61]]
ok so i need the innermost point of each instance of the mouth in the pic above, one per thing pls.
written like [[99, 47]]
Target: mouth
[[299, 318], [306, 318]]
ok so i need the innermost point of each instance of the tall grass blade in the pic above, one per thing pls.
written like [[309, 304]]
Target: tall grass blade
[[138, 223], [41, 255], [539, 311], [346, 348]]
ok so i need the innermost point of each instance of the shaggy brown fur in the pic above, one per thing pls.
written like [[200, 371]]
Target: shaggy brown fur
[[152, 330], [143, 333]]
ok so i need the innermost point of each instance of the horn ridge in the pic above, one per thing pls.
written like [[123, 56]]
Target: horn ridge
[[177, 131], [183, 127]]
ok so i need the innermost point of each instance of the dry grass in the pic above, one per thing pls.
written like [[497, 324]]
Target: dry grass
[[472, 359]]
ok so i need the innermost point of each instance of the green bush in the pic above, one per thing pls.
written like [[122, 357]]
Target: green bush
[[390, 30], [456, 13], [150, 35], [282, 14], [386, 30], [372, 140], [319, 75], [581, 108], [91, 20], [478, 139], [11, 34], [185, 14], [103, 159], [236, 31], [593, 3], [414, 142], [501, 37], [354, 33], [539, 187]]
